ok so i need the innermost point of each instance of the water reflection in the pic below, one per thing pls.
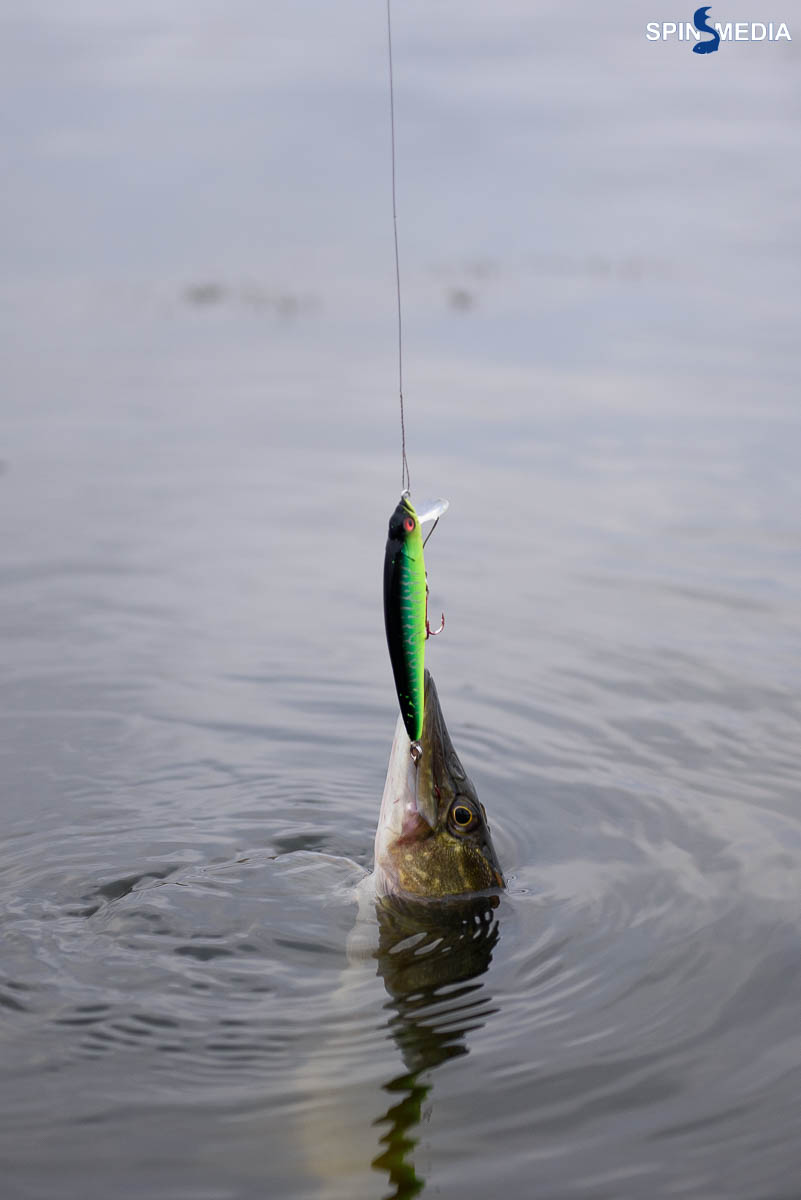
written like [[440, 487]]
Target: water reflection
[[427, 956]]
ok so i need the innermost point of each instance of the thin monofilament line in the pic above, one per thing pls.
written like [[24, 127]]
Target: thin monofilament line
[[406, 483]]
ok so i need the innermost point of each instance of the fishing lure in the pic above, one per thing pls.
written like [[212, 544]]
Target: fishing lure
[[406, 608]]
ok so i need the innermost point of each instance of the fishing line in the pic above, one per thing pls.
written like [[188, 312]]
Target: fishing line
[[431, 530], [406, 483]]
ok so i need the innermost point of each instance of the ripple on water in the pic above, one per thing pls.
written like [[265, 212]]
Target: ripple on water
[[609, 1002], [194, 962]]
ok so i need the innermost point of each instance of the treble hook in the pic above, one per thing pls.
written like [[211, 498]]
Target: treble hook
[[429, 631]]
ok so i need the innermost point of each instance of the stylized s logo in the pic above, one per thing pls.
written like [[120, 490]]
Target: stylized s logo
[[702, 25]]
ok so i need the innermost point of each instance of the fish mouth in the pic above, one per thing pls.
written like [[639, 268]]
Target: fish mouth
[[419, 851], [414, 795]]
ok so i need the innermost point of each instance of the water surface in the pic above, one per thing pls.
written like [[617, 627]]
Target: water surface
[[600, 252]]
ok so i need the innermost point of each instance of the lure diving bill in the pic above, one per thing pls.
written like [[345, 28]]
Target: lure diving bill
[[405, 607]]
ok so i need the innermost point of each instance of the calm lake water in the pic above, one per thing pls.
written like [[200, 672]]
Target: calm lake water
[[600, 245]]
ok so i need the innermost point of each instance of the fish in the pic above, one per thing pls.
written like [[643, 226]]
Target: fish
[[426, 924], [405, 612], [433, 839]]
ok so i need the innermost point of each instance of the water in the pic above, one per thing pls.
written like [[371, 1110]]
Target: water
[[600, 258]]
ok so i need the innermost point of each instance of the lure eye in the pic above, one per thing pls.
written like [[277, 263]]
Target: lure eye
[[462, 816], [408, 524]]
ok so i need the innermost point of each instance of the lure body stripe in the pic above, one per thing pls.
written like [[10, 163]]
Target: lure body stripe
[[405, 613]]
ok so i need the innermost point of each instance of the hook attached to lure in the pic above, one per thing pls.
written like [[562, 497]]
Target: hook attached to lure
[[429, 631], [406, 610]]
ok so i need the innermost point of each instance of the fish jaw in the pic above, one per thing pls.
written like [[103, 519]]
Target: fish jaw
[[416, 854], [399, 818], [410, 803]]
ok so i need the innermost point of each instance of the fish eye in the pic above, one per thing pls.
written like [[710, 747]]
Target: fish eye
[[408, 524], [462, 816]]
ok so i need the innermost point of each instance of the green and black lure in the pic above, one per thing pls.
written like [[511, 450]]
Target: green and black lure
[[406, 607]]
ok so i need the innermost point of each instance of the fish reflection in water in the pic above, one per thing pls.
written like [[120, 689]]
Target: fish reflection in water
[[430, 957]]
